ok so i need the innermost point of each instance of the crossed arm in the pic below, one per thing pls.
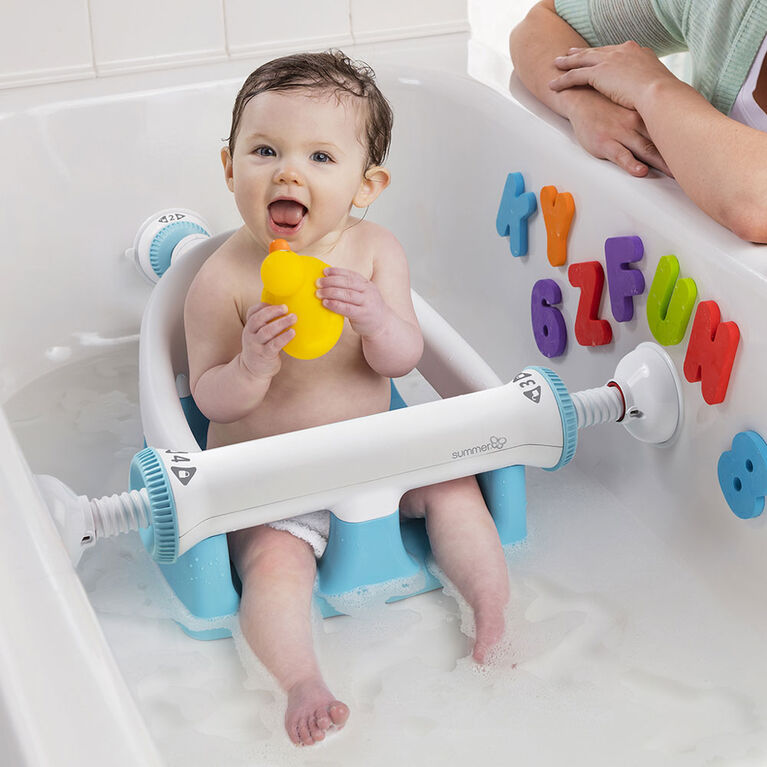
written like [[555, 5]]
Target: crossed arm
[[625, 106]]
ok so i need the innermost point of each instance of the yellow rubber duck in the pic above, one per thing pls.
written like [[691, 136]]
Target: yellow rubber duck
[[290, 279]]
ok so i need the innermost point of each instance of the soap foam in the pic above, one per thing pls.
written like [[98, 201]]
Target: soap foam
[[615, 654], [368, 599]]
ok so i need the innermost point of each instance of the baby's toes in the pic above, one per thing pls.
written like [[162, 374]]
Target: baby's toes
[[339, 713], [293, 734], [324, 722], [316, 729], [300, 733]]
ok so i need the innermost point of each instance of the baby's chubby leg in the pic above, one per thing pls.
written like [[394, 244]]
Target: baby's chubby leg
[[277, 572], [466, 546]]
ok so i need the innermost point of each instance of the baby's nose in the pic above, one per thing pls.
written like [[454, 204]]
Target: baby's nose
[[287, 174]]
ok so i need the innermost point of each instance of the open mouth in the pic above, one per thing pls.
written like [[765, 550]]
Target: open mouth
[[286, 216]]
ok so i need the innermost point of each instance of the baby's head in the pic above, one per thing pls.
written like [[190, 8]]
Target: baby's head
[[328, 73], [309, 135]]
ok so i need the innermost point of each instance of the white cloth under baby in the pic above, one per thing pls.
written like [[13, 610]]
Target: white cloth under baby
[[745, 110], [313, 528]]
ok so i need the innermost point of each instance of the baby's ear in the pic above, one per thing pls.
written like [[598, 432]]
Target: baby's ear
[[226, 160], [375, 181]]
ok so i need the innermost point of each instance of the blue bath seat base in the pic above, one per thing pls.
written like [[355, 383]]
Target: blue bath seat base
[[360, 555]]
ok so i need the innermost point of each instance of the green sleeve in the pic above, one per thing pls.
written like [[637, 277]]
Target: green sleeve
[[656, 24], [577, 14]]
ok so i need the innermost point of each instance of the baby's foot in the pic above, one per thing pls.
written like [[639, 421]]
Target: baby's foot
[[312, 711], [490, 624]]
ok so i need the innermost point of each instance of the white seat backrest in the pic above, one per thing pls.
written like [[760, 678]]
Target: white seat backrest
[[162, 352]]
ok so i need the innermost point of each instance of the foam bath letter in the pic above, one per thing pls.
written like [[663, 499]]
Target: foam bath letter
[[558, 210], [711, 352], [589, 329], [623, 282], [670, 302], [516, 207], [549, 326], [743, 474]]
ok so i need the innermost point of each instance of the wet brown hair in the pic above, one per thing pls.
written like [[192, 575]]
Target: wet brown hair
[[332, 72]]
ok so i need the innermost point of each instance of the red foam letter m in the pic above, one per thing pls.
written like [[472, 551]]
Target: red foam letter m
[[711, 352]]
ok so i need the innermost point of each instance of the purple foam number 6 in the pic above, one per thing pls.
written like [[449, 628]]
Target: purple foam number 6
[[623, 282], [548, 323]]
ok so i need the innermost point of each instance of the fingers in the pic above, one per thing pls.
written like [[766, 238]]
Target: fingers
[[274, 335], [270, 326], [264, 313], [624, 158], [342, 287], [635, 154], [268, 329], [341, 295], [612, 132], [342, 278], [572, 79], [579, 57], [644, 150]]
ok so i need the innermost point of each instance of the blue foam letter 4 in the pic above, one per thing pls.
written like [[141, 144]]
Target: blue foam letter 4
[[515, 208]]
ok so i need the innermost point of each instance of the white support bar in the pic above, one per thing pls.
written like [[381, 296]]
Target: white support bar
[[263, 480]]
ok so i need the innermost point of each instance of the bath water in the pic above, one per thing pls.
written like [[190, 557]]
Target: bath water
[[615, 652]]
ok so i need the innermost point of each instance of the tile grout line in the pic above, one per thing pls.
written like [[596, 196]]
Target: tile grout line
[[351, 24], [91, 39], [226, 29]]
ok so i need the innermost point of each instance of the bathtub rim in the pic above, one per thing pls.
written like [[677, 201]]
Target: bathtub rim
[[52, 643]]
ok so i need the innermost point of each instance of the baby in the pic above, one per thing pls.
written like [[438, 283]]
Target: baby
[[309, 135]]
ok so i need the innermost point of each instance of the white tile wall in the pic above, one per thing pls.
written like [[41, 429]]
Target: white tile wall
[[143, 34], [307, 24], [44, 41], [492, 21], [394, 19]]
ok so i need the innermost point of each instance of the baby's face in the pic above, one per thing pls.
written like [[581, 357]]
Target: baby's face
[[298, 165]]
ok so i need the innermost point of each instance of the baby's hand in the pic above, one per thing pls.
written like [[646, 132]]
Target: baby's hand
[[348, 293], [267, 330]]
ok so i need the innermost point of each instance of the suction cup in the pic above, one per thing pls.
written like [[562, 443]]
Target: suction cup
[[163, 237], [652, 393]]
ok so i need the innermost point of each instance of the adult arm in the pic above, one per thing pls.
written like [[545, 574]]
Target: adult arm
[[720, 163], [605, 129]]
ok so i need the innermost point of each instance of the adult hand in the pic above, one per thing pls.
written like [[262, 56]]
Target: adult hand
[[612, 132], [348, 293], [624, 73]]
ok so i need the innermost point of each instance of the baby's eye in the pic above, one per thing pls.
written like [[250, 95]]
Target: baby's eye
[[264, 151], [322, 157]]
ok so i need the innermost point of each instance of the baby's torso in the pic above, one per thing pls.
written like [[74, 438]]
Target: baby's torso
[[305, 393]]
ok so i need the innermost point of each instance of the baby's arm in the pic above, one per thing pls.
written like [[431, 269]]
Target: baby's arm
[[231, 365], [605, 129], [380, 310]]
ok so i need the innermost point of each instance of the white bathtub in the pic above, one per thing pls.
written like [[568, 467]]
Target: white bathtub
[[638, 622]]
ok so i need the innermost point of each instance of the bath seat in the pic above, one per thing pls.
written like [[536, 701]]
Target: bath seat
[[358, 554]]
